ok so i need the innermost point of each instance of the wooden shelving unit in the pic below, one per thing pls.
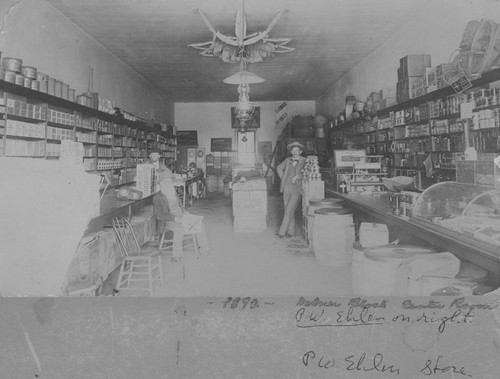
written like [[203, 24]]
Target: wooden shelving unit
[[33, 123]]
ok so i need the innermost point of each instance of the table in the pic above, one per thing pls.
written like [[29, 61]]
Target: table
[[376, 207], [190, 186]]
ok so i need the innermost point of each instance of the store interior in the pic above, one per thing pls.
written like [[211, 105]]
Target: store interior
[[394, 104]]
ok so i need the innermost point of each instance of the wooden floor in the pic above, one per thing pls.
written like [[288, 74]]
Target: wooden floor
[[247, 264]]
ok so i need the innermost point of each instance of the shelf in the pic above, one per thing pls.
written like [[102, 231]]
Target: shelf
[[484, 107], [24, 118], [87, 143], [23, 137], [486, 78], [61, 126], [483, 129]]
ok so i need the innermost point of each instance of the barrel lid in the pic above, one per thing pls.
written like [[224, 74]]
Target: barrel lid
[[326, 211], [395, 252], [325, 201]]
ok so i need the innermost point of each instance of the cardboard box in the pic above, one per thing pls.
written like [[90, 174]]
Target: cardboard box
[[414, 65]]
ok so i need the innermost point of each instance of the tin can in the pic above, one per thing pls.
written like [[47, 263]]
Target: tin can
[[29, 72], [19, 80], [2, 73], [27, 82], [10, 76], [51, 86], [58, 88], [43, 79], [71, 95], [12, 64], [65, 91], [35, 85]]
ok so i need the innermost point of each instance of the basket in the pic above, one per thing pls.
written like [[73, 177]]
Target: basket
[[398, 183]]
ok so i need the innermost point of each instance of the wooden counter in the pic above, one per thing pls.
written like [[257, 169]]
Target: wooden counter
[[112, 206], [376, 207]]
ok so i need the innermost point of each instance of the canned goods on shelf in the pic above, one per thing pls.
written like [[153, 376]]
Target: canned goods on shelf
[[58, 88], [27, 82], [29, 72], [43, 79], [65, 91], [10, 76], [35, 85], [12, 64], [19, 79], [51, 86]]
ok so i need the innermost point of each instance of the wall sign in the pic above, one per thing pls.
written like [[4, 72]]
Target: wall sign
[[221, 144], [187, 138]]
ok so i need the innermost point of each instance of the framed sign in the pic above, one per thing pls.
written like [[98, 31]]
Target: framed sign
[[347, 158], [221, 144], [254, 122], [187, 138]]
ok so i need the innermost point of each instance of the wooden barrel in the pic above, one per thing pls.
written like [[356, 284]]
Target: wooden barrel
[[309, 216], [333, 236], [377, 276]]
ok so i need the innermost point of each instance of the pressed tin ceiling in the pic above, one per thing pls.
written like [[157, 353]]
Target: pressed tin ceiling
[[152, 37]]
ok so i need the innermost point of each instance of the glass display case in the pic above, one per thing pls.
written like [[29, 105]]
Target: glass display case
[[481, 217], [444, 203]]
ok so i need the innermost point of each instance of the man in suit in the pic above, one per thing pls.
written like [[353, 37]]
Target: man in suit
[[290, 173]]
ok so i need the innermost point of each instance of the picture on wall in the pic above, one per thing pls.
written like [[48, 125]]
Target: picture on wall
[[187, 138], [221, 144], [254, 122]]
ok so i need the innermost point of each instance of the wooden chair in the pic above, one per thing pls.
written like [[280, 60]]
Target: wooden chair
[[192, 225], [140, 267]]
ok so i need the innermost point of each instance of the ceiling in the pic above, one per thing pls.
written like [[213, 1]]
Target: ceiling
[[329, 37]]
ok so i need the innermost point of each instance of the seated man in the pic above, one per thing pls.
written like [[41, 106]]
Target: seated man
[[169, 214]]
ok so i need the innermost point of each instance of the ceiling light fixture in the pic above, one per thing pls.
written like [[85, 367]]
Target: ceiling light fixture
[[244, 108]]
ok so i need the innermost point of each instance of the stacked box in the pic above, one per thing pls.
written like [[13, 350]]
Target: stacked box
[[414, 65], [250, 206], [412, 76]]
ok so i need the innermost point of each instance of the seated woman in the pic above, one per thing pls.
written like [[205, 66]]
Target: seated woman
[[169, 215]]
